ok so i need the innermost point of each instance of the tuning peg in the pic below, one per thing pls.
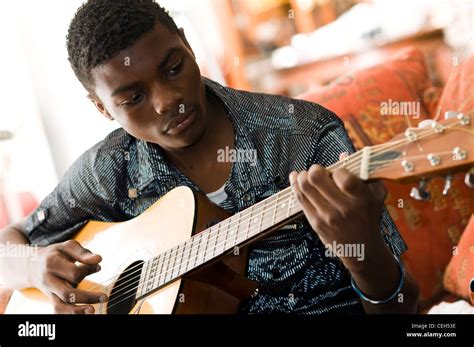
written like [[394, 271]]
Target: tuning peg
[[420, 193], [447, 184], [450, 114], [469, 178]]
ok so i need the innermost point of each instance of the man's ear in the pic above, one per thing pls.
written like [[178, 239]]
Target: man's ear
[[98, 104], [183, 37]]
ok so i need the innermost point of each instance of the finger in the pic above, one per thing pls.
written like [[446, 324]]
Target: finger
[[308, 209], [312, 195], [320, 178], [70, 295], [74, 274], [63, 308], [348, 183], [75, 251]]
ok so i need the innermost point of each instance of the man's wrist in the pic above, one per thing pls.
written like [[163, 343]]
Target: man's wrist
[[378, 275]]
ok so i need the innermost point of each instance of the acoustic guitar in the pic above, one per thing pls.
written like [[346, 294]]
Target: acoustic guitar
[[186, 255]]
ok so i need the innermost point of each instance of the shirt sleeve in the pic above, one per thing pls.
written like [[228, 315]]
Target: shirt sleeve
[[334, 140], [77, 198]]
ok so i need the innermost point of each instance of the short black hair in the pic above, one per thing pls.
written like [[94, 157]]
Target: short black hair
[[101, 29]]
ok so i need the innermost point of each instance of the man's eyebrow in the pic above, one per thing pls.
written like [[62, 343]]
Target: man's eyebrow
[[168, 55], [134, 85], [125, 88]]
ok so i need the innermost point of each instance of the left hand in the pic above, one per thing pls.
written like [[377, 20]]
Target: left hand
[[341, 208]]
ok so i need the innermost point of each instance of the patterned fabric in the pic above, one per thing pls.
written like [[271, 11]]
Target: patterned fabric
[[122, 176], [460, 270], [431, 228]]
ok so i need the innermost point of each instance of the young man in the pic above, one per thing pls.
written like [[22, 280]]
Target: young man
[[140, 71]]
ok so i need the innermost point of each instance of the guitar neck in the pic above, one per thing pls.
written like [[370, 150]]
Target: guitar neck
[[225, 237]]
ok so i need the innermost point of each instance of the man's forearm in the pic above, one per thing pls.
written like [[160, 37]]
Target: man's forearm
[[15, 259], [378, 277]]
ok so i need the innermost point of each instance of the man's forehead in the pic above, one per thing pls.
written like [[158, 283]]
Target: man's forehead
[[145, 53]]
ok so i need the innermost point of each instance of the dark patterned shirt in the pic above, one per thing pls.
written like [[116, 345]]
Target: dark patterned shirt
[[121, 176]]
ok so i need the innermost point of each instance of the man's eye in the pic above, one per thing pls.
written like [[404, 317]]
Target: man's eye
[[175, 69], [135, 99]]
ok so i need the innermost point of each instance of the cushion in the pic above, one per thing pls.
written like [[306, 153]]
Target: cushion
[[357, 97], [458, 95], [430, 228], [460, 270]]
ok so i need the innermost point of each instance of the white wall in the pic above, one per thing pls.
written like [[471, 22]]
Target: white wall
[[71, 121]]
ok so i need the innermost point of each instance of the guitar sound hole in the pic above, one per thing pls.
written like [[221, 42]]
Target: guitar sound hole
[[122, 297]]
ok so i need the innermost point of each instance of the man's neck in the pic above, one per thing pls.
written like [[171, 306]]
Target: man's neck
[[200, 159]]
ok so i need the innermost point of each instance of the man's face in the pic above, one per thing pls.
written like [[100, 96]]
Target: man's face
[[154, 90]]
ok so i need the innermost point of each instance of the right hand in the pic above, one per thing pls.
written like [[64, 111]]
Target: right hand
[[55, 273]]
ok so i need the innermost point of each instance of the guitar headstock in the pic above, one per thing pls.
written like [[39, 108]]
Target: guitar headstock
[[442, 148]]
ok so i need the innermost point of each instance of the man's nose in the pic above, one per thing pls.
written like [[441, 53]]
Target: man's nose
[[166, 100]]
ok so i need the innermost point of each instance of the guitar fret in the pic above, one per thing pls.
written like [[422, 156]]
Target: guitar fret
[[159, 270], [188, 252], [261, 217], [151, 278], [222, 237], [148, 275], [143, 278], [216, 238], [207, 255], [226, 234], [290, 204], [248, 226], [237, 229], [202, 254], [166, 272], [177, 263], [197, 251], [275, 208]]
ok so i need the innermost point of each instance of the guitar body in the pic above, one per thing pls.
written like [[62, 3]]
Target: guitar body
[[173, 219]]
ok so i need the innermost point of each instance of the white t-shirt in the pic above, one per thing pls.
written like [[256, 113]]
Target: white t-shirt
[[217, 196]]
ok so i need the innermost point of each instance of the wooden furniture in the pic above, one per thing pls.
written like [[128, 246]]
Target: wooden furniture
[[300, 78]]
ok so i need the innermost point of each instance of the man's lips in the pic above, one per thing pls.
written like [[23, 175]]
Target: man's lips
[[180, 123]]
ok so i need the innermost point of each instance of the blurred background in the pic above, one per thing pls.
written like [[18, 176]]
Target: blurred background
[[284, 47]]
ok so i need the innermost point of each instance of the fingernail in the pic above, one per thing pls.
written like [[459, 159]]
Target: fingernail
[[97, 268], [89, 310], [103, 298]]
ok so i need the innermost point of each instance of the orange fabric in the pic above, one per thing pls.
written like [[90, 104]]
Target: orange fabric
[[460, 270], [356, 97], [430, 228], [458, 95]]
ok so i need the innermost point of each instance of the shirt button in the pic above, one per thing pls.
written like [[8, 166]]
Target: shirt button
[[40, 215], [247, 197]]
